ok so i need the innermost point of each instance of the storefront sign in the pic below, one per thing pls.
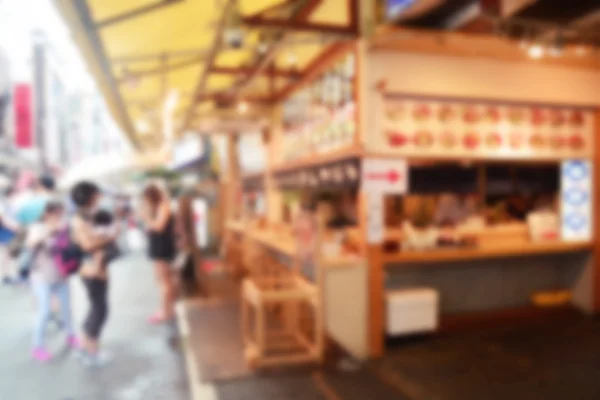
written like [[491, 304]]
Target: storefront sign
[[576, 200], [385, 176], [23, 116], [339, 174], [422, 127]]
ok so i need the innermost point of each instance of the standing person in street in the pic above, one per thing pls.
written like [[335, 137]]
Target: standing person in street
[[9, 229], [47, 280], [93, 271], [160, 224], [30, 210]]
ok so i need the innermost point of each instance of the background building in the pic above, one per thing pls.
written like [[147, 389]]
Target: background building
[[54, 114]]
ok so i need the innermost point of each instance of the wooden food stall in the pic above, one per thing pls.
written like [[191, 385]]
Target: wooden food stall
[[475, 187]]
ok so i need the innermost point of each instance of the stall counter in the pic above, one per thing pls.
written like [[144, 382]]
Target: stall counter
[[483, 252]]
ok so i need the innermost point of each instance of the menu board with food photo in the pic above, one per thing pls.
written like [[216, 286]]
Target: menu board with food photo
[[422, 127], [321, 117]]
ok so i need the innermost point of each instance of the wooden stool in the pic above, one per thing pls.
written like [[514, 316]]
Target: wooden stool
[[271, 338]]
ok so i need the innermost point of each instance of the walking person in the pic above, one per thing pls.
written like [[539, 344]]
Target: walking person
[[160, 225], [47, 280], [93, 271]]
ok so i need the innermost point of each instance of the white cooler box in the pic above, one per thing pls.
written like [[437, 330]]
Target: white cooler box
[[412, 311]]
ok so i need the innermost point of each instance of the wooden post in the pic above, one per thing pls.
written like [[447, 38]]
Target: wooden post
[[273, 196], [233, 178], [596, 213], [375, 282]]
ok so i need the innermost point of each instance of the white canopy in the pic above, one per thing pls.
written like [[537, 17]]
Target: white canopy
[[113, 167]]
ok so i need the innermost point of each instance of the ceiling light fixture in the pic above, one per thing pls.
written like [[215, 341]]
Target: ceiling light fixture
[[242, 107], [142, 126], [581, 50], [536, 51], [262, 47], [292, 58]]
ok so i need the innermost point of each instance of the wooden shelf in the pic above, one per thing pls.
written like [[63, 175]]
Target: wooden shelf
[[318, 159], [453, 255]]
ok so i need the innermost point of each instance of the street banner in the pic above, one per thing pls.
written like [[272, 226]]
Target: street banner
[[23, 116]]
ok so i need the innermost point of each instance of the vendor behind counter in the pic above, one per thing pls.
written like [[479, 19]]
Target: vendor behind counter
[[344, 212]]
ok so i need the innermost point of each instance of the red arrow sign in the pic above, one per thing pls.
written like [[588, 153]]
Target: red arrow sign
[[392, 176]]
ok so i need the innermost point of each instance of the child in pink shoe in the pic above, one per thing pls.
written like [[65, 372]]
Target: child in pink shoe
[[47, 280]]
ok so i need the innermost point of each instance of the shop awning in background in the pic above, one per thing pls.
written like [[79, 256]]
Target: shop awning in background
[[113, 167]]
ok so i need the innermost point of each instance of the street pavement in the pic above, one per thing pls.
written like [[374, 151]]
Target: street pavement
[[147, 363]]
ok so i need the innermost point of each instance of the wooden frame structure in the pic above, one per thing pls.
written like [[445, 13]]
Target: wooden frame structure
[[373, 254]]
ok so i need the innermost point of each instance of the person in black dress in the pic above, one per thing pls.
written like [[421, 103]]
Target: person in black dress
[[160, 225]]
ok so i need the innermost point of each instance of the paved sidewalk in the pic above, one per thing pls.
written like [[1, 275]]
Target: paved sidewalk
[[146, 366]]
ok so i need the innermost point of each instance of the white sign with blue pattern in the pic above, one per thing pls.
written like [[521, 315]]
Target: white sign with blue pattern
[[576, 198]]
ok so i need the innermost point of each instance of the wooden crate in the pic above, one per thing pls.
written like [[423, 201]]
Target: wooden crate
[[274, 315]]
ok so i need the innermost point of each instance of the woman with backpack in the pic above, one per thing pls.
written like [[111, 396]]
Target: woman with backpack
[[93, 271], [47, 279]]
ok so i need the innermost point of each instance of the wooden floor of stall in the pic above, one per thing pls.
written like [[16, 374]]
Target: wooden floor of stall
[[551, 356]]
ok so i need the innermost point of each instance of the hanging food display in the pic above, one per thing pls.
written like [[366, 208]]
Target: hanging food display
[[517, 139], [446, 113], [516, 115], [424, 139], [471, 140], [537, 141], [557, 118], [576, 142], [397, 139], [471, 115], [577, 118], [538, 117], [454, 128], [321, 118], [557, 142], [448, 140], [494, 140], [422, 112], [492, 115]]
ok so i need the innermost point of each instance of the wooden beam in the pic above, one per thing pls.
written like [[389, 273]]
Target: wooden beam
[[259, 68], [325, 59], [163, 69], [268, 58], [133, 58], [285, 4], [596, 217], [297, 26], [276, 73], [306, 11], [99, 53], [136, 12], [354, 13], [508, 8], [224, 97], [210, 60]]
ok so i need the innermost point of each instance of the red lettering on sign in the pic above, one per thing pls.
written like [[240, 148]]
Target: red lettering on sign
[[391, 176]]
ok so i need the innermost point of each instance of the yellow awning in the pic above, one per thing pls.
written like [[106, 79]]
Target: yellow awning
[[179, 37]]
